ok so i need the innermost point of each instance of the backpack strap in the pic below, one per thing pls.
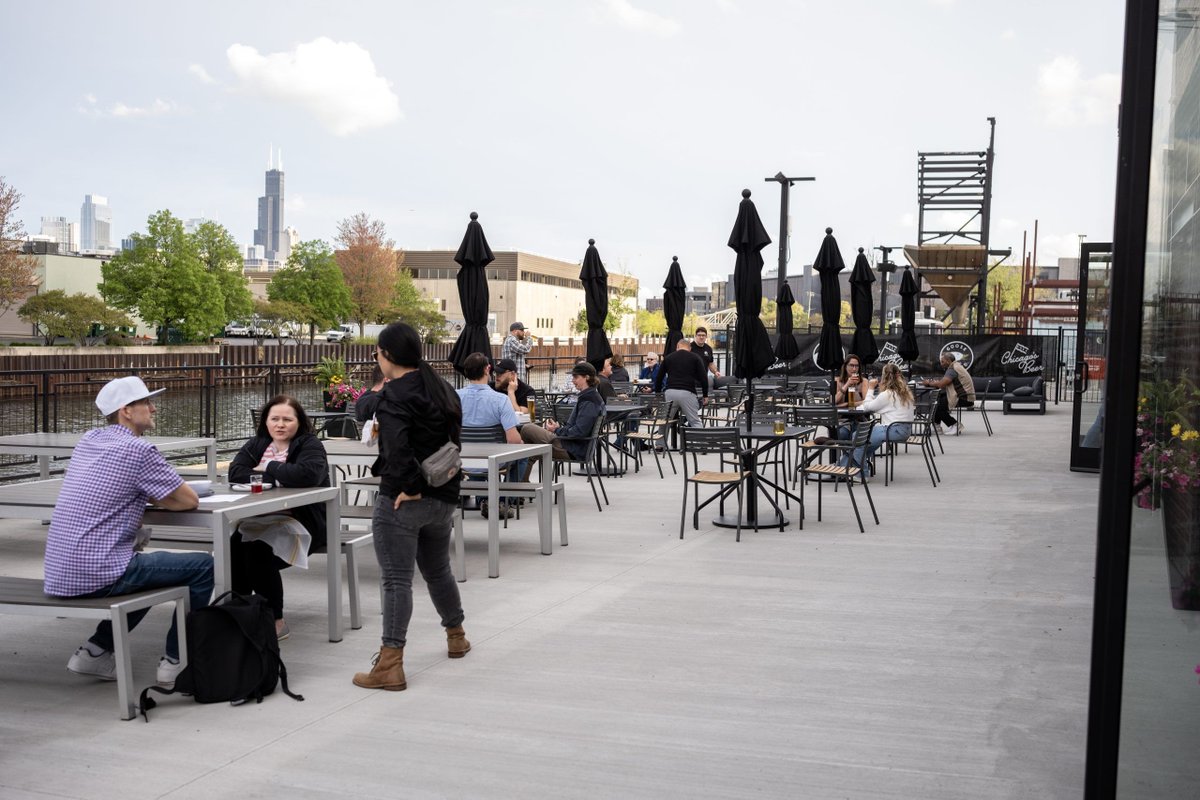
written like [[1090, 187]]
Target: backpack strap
[[283, 682], [145, 702]]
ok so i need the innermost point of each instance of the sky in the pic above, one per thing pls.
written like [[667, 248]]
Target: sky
[[636, 123]]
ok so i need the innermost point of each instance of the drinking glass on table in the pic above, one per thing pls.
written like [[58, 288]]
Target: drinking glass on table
[[256, 483]]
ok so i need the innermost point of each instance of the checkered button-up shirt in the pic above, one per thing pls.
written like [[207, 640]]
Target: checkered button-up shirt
[[516, 349], [112, 475]]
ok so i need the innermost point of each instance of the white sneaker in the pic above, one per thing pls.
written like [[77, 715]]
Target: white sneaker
[[103, 666], [168, 671], [951, 430]]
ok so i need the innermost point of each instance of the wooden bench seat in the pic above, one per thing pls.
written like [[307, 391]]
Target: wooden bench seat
[[25, 596]]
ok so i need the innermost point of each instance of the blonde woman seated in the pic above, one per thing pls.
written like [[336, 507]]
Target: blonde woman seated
[[892, 400]]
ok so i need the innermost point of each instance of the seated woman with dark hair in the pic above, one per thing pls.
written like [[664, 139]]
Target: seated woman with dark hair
[[285, 452]]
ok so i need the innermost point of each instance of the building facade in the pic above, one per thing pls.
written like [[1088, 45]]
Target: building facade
[[544, 294], [95, 225]]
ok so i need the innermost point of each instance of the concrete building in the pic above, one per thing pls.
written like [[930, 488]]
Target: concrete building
[[543, 293], [62, 231], [95, 225]]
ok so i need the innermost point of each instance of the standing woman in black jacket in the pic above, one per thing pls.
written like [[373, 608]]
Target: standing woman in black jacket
[[285, 452], [418, 413]]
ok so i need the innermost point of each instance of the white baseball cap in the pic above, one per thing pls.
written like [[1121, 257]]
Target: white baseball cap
[[120, 392]]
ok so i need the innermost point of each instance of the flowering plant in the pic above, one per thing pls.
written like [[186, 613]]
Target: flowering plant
[[330, 372], [340, 393], [1168, 454]]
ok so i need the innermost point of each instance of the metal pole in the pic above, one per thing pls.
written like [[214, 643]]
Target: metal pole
[[784, 184], [986, 227], [885, 268]]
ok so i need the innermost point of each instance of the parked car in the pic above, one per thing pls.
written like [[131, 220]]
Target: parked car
[[340, 333], [237, 329]]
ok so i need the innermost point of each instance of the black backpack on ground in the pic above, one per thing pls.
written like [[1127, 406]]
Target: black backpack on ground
[[233, 654]]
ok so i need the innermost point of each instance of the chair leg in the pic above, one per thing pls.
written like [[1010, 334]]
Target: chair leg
[[870, 501], [854, 503], [561, 499], [683, 511], [739, 516], [352, 584], [595, 494]]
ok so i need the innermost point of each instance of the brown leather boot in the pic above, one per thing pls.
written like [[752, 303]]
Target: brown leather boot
[[388, 672], [456, 642]]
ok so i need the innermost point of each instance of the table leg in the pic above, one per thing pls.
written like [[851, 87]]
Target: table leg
[[333, 537], [493, 517], [545, 518], [222, 566], [44, 466], [210, 455]]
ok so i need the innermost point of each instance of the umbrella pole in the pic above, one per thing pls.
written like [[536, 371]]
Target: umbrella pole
[[749, 402]]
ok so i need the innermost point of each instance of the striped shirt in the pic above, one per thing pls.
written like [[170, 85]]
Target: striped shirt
[[112, 475], [516, 349]]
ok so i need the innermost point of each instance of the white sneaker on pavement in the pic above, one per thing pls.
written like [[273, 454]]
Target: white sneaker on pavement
[[103, 666], [168, 671], [951, 430]]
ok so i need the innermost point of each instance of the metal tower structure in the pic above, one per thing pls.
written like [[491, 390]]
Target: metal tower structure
[[953, 260]]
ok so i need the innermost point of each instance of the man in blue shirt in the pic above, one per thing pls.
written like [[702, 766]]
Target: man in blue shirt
[[484, 407]]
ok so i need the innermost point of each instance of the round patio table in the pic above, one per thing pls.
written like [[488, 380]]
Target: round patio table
[[759, 440]]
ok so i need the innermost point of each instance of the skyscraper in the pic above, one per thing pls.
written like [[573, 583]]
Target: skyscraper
[[269, 232], [58, 229], [95, 219]]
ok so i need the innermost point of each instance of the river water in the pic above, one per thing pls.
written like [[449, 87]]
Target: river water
[[181, 412]]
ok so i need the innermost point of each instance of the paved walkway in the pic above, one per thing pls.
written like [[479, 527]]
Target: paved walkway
[[943, 654]]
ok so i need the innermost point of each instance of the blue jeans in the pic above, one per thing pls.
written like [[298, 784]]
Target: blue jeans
[[155, 571], [418, 534], [896, 432]]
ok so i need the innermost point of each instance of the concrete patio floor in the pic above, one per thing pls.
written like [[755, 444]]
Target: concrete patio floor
[[943, 654]]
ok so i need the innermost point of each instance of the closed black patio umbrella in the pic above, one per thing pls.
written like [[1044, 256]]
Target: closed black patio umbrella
[[786, 348], [907, 346], [861, 308], [473, 256], [674, 304], [595, 296], [828, 264], [751, 346]]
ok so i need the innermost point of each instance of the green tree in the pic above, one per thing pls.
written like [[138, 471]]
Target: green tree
[[276, 317], [651, 323], [410, 306], [313, 282], [164, 281], [70, 316], [222, 258], [1008, 278]]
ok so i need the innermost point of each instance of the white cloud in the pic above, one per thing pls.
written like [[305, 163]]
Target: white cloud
[[1007, 35], [124, 111], [334, 81], [155, 109], [201, 73], [296, 202], [628, 16], [728, 6], [1053, 246], [1069, 99]]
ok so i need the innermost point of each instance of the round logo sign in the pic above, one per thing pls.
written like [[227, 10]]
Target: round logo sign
[[960, 351], [816, 357]]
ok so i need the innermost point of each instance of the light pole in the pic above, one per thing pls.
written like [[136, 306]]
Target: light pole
[[784, 184]]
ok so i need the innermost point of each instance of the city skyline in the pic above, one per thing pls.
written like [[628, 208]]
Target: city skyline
[[634, 122]]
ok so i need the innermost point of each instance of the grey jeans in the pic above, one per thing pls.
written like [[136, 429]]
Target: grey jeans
[[417, 533], [688, 402]]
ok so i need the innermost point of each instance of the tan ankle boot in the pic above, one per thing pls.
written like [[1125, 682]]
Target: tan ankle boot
[[456, 642], [388, 672]]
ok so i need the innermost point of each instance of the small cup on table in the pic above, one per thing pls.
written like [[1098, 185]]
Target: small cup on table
[[256, 483]]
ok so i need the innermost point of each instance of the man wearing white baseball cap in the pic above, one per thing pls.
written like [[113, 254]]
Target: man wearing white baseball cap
[[113, 473]]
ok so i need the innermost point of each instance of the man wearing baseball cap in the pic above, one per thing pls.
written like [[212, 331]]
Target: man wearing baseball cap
[[519, 392], [113, 473], [515, 346]]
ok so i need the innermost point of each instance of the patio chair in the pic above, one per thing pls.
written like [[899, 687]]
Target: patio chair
[[588, 462], [726, 443], [848, 473], [491, 434], [981, 391], [652, 431], [920, 436]]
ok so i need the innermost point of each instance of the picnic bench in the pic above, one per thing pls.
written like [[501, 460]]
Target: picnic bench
[[25, 596]]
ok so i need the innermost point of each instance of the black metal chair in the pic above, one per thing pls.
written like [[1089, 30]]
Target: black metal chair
[[588, 461], [652, 431], [921, 436], [489, 434], [981, 390], [726, 443], [847, 473]]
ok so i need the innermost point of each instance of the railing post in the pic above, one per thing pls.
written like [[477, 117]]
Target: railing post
[[45, 402]]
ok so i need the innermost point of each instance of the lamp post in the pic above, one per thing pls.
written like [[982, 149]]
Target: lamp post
[[885, 268], [784, 184]]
